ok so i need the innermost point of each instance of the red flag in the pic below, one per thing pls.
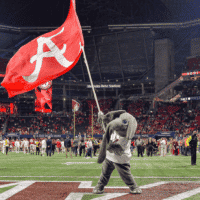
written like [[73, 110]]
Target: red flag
[[46, 57], [44, 96], [75, 105]]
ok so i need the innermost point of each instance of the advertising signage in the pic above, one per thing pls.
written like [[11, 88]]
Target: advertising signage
[[105, 86]]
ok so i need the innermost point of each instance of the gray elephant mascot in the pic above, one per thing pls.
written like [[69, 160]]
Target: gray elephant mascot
[[115, 153]]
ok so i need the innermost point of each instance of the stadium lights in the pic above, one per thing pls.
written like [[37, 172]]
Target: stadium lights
[[36, 29], [152, 26]]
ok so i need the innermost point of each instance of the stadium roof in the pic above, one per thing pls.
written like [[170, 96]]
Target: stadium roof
[[110, 54]]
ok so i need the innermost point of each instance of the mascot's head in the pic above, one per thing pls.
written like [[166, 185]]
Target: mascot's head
[[120, 121]]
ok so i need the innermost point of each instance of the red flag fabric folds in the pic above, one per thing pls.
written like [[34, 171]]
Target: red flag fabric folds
[[46, 57], [43, 97]]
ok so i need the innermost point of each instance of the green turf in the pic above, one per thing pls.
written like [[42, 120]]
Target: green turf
[[146, 170], [195, 197], [91, 196], [6, 188], [32, 165], [27, 165]]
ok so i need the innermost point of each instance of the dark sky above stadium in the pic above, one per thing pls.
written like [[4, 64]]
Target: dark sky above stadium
[[33, 12], [96, 12]]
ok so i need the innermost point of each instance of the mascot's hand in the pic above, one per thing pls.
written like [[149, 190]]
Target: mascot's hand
[[100, 117], [116, 148], [100, 114]]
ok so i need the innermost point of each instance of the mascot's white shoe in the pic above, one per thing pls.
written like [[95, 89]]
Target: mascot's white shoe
[[135, 190], [99, 189]]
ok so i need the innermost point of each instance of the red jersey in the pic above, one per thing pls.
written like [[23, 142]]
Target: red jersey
[[13, 144], [133, 143], [58, 143]]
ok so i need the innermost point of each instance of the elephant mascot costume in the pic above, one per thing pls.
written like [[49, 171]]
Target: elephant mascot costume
[[120, 128]]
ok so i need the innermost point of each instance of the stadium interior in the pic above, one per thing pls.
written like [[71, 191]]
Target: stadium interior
[[144, 57]]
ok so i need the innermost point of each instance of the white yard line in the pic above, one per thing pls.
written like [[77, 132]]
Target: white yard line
[[184, 195], [88, 177], [75, 196], [153, 184], [85, 184], [110, 196], [19, 187]]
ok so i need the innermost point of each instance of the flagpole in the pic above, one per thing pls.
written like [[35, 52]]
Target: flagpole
[[92, 122], [91, 82], [74, 123]]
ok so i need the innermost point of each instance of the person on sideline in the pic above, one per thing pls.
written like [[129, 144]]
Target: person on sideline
[[49, 146], [82, 147], [89, 148], [37, 142], [58, 146], [26, 144], [162, 147], [7, 145], [17, 145], [139, 144], [63, 146], [67, 144], [4, 146], [150, 147], [44, 146], [75, 144], [32, 146], [193, 145]]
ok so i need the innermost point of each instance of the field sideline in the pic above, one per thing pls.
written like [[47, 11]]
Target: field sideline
[[146, 170]]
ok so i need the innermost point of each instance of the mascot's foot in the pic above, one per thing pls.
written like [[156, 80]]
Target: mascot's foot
[[135, 190], [99, 189]]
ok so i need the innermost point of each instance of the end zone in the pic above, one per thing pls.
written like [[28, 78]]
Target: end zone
[[68, 190]]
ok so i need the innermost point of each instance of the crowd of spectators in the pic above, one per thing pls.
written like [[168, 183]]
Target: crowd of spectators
[[166, 117], [190, 92]]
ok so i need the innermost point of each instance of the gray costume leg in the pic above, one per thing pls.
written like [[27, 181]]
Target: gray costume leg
[[125, 174], [107, 169], [123, 170]]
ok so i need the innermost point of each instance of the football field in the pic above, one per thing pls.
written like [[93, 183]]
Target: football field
[[25, 176]]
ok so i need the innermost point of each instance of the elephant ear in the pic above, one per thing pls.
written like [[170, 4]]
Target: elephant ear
[[132, 124], [104, 145]]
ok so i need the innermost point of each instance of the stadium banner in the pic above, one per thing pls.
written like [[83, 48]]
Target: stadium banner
[[26, 136], [165, 134], [190, 73], [17, 135], [105, 86], [190, 98], [43, 136], [46, 57]]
